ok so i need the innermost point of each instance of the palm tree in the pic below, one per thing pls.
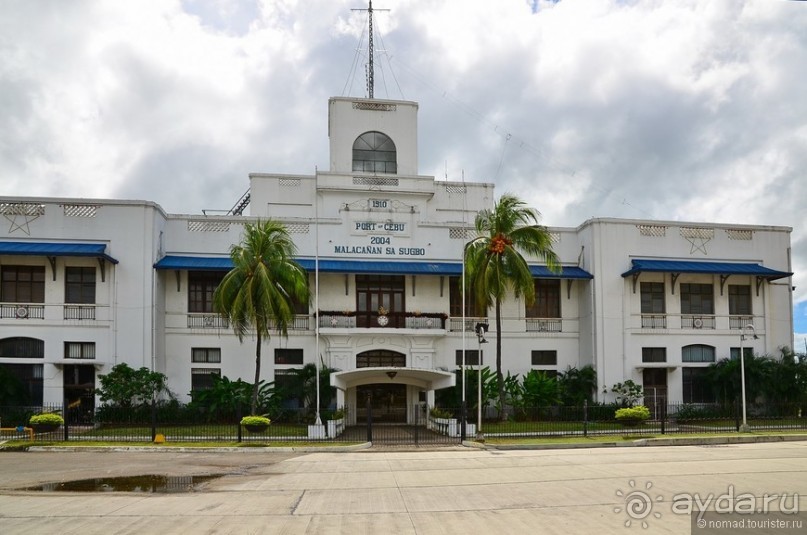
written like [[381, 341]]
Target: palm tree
[[260, 292], [495, 265]]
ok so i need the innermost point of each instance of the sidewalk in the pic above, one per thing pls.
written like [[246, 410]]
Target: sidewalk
[[454, 491]]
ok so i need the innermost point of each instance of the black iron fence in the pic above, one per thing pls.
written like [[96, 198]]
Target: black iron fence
[[174, 422], [671, 418], [169, 422]]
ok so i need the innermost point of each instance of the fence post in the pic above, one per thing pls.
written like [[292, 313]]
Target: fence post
[[663, 418], [737, 414], [66, 417], [238, 420], [417, 420], [463, 417], [585, 417], [153, 419], [369, 420]]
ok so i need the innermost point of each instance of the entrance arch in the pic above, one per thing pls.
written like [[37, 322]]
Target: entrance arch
[[387, 399], [395, 390]]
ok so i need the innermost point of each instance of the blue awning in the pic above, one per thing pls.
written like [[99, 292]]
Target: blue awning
[[95, 250], [220, 263], [195, 263], [714, 268]]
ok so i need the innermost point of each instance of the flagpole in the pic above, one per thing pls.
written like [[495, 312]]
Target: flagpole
[[316, 288]]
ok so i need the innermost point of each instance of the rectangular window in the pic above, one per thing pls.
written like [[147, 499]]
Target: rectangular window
[[288, 356], [471, 357], [652, 297], [545, 358], [287, 384], [79, 285], [79, 350], [380, 292], [21, 347], [206, 354], [739, 300], [300, 307], [654, 354], [698, 353], [547, 299], [455, 299], [22, 284], [695, 385], [201, 285], [748, 352], [79, 376], [697, 299], [202, 378], [30, 376]]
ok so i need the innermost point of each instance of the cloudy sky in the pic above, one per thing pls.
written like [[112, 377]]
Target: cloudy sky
[[684, 110]]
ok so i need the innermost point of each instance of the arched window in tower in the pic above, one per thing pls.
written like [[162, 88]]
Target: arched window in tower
[[374, 152]]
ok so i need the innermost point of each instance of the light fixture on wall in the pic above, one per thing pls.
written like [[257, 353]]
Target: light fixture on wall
[[392, 375]]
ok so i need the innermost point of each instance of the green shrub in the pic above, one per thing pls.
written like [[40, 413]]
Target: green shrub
[[639, 412], [437, 412], [47, 418], [338, 414], [255, 420]]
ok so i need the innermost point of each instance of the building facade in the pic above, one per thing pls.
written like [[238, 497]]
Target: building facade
[[87, 284]]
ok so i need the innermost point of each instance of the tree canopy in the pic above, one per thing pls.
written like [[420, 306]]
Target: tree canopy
[[259, 294]]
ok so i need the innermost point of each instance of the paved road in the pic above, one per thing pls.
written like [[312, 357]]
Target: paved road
[[463, 491]]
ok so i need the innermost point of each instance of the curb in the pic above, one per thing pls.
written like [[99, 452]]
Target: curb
[[649, 442], [184, 449]]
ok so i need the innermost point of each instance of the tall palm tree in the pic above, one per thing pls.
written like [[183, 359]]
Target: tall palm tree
[[259, 293], [495, 265]]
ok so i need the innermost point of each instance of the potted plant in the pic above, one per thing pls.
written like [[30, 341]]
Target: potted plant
[[256, 424], [443, 421], [632, 416], [45, 422], [336, 423]]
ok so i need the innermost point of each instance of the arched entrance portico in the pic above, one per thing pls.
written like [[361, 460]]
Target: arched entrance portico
[[394, 389]]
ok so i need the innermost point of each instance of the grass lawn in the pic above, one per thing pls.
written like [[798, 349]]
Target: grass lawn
[[546, 427]]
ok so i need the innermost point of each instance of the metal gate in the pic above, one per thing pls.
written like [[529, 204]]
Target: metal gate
[[420, 430]]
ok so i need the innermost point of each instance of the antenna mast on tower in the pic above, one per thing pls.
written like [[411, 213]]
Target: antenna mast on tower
[[370, 69]]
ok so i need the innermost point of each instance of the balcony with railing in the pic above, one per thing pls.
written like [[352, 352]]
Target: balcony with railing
[[544, 325], [22, 311], [654, 321], [455, 323], [209, 320], [697, 321], [686, 322], [740, 322], [55, 313], [349, 319], [79, 312]]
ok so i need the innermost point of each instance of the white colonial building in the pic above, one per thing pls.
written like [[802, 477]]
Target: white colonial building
[[87, 284]]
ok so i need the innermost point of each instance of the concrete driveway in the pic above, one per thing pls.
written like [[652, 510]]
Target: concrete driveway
[[463, 491]]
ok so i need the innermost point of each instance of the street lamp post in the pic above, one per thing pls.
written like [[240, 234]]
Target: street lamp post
[[744, 427], [481, 329], [464, 329]]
